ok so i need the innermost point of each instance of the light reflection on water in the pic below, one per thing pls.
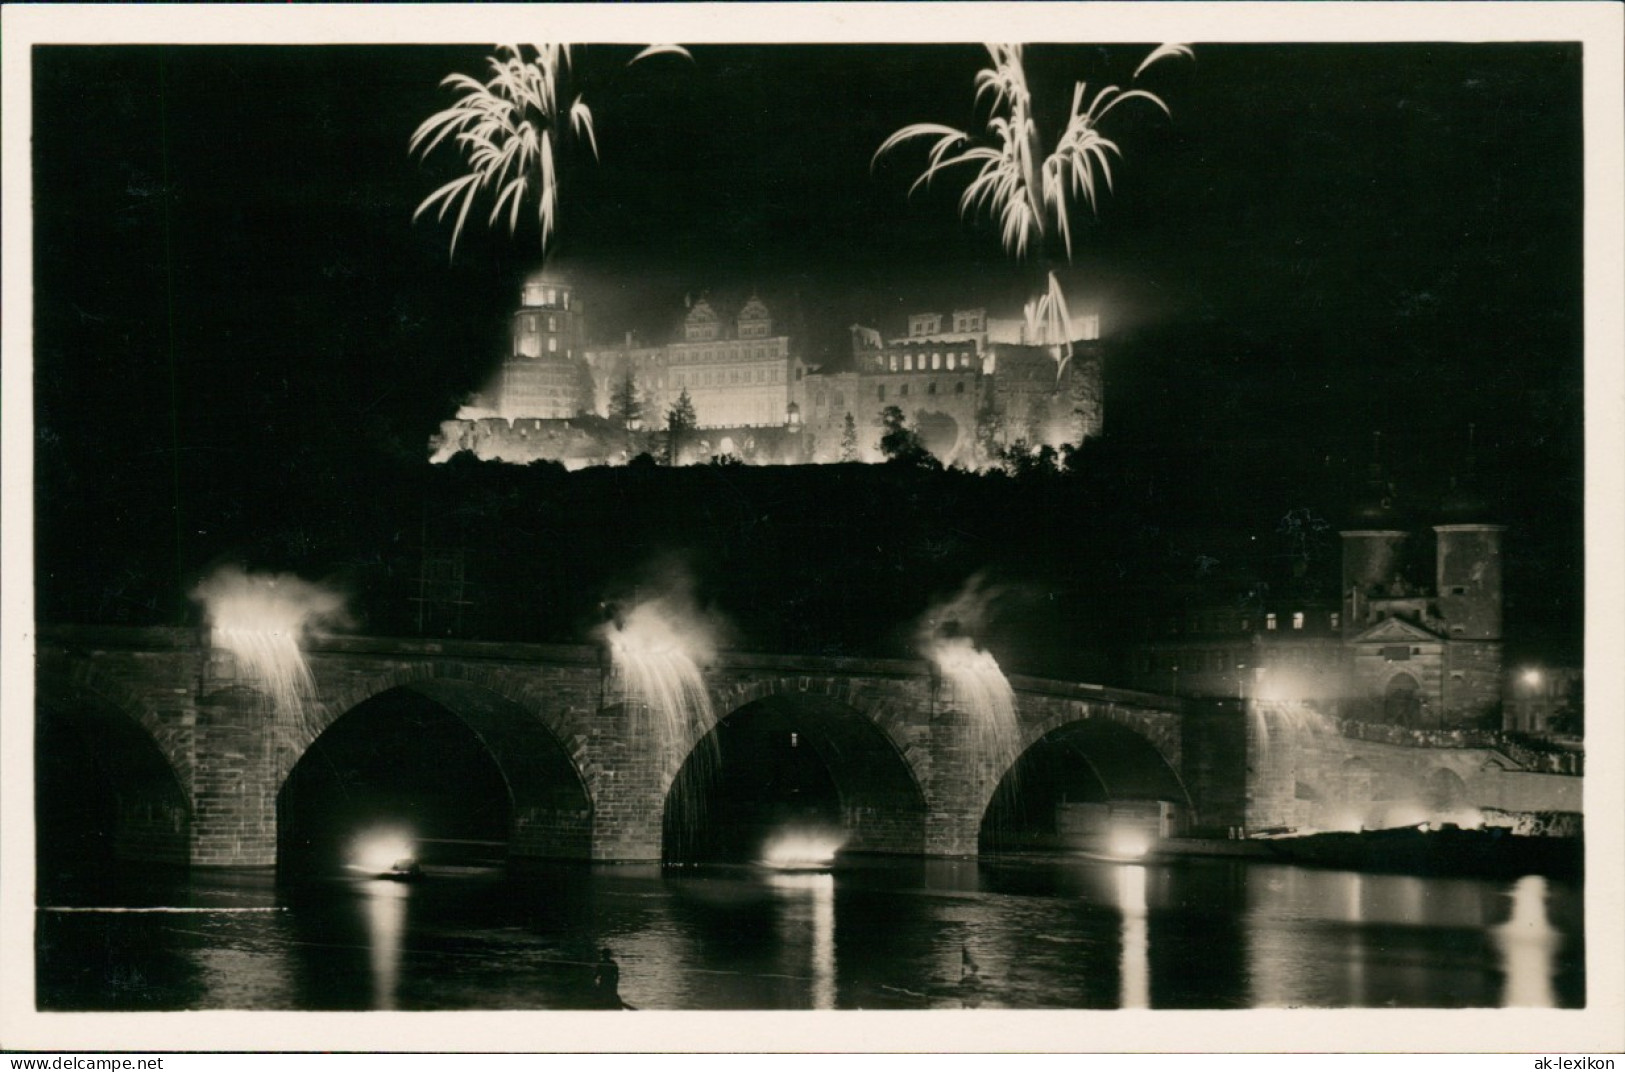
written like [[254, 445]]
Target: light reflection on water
[[384, 906], [892, 934], [1529, 945], [1136, 938]]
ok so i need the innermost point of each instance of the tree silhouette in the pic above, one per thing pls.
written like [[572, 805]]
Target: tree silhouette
[[680, 420], [849, 439], [900, 443]]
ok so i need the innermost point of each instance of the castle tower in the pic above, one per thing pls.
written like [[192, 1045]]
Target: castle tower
[[1371, 561], [1469, 598], [548, 320], [544, 374], [1469, 580], [1373, 547]]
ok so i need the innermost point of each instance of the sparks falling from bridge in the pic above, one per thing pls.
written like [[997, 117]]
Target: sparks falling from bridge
[[658, 647], [984, 693], [262, 619], [979, 687]]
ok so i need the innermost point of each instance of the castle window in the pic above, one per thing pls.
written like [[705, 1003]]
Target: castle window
[[908, 362], [1458, 589], [1297, 619], [1269, 621], [552, 323], [931, 388], [549, 296], [903, 391], [936, 361], [959, 388], [894, 362], [552, 344]]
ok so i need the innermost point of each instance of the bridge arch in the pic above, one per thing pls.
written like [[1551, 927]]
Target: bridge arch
[[791, 761], [1444, 791], [106, 787], [1073, 772], [486, 764]]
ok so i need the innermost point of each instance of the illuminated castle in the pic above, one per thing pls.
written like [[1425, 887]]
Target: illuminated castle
[[969, 385]]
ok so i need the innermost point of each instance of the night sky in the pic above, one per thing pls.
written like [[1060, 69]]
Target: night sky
[[236, 318]]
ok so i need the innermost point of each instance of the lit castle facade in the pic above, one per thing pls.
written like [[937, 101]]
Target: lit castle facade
[[967, 384]]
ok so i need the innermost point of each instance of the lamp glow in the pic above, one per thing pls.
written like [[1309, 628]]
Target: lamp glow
[[385, 854], [1129, 844], [802, 851]]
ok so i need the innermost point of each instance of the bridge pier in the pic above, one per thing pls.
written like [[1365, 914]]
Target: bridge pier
[[628, 781], [959, 786], [235, 778]]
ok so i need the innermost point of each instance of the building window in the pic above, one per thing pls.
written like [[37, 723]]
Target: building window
[[552, 323], [552, 344], [1297, 619], [894, 362], [902, 391], [908, 362], [959, 388], [931, 388], [936, 361], [1269, 621], [549, 296], [1337, 620]]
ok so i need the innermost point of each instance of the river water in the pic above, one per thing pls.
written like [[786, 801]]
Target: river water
[[1058, 933]]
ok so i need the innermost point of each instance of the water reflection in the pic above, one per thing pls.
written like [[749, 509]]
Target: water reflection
[[383, 904], [1528, 944], [813, 924], [1025, 933], [1136, 966]]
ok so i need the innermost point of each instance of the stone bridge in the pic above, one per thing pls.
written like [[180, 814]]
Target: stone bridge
[[197, 755]]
